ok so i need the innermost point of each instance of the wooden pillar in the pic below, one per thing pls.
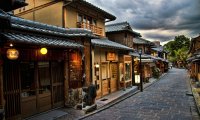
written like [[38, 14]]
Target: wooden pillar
[[133, 73], [1, 88], [66, 77], [88, 66]]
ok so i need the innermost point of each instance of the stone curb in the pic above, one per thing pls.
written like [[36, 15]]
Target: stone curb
[[121, 98], [195, 99]]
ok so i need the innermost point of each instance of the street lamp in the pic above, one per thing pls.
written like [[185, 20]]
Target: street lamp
[[141, 81]]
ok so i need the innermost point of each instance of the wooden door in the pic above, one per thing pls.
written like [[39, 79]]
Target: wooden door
[[104, 80], [57, 84], [113, 77], [44, 84], [11, 87]]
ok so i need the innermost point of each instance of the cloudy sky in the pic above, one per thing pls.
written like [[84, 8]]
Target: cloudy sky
[[156, 19]]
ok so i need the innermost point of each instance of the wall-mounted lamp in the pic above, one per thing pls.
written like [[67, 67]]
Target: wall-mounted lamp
[[96, 65], [11, 45], [96, 70], [43, 51]]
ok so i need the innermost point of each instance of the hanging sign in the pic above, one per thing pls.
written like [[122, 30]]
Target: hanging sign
[[12, 54], [111, 56]]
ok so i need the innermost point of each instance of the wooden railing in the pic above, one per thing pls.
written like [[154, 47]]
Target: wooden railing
[[96, 30]]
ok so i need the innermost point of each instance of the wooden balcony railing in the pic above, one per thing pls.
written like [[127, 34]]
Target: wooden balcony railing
[[96, 30]]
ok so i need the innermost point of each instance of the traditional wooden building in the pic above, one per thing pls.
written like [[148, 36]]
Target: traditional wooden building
[[122, 33], [68, 14], [161, 58], [148, 62], [194, 60], [39, 65], [81, 14], [111, 66]]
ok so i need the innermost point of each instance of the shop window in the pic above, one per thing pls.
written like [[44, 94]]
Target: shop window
[[28, 85], [127, 71], [76, 73], [80, 18], [121, 71], [44, 77]]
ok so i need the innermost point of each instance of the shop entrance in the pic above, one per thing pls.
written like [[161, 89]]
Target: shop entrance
[[113, 77], [32, 87], [105, 79]]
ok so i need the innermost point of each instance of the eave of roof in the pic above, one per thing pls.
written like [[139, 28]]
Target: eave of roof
[[139, 40], [93, 7], [24, 38], [109, 44], [4, 19], [118, 27], [28, 25]]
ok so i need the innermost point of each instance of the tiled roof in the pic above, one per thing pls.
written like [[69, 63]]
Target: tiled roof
[[194, 58], [159, 49], [123, 26], [139, 40], [146, 56], [7, 5], [109, 44], [135, 54], [24, 24], [38, 40], [4, 19], [93, 7]]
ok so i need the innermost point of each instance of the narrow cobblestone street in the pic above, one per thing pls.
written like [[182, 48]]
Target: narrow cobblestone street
[[164, 100]]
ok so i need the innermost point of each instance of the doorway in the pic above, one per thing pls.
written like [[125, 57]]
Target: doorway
[[113, 77], [32, 87]]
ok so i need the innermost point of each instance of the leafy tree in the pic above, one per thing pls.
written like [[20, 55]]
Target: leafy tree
[[178, 50]]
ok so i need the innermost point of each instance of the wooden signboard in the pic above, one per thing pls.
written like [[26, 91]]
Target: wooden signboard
[[111, 56]]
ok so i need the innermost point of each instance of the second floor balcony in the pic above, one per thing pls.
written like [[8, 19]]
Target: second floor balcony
[[96, 30]]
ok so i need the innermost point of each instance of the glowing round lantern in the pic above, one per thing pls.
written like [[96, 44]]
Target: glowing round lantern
[[43, 51], [12, 54]]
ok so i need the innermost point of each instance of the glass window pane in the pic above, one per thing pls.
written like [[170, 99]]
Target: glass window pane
[[28, 85], [127, 71], [44, 77]]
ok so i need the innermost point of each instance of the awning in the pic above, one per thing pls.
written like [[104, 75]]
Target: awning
[[194, 58], [40, 40], [147, 60], [109, 44], [134, 54]]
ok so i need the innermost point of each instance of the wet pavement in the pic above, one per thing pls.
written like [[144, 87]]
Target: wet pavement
[[164, 100]]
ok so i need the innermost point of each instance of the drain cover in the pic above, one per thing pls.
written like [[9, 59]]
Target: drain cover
[[104, 99]]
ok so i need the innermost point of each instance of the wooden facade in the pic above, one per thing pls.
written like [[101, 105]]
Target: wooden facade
[[72, 14], [124, 38], [194, 60], [35, 83], [32, 82], [112, 71], [106, 73]]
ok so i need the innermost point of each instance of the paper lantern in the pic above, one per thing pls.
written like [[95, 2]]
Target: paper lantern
[[12, 54]]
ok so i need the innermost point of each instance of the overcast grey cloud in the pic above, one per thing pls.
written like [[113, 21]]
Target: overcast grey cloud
[[156, 19]]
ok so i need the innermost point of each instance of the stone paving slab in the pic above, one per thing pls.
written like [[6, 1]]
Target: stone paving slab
[[51, 115], [164, 100]]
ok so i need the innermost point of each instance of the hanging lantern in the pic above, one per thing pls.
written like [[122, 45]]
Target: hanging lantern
[[12, 54], [43, 51]]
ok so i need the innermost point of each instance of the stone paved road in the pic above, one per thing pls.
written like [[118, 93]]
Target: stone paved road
[[164, 100]]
